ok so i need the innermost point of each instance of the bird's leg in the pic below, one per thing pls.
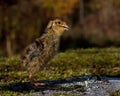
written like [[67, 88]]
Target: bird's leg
[[33, 82]]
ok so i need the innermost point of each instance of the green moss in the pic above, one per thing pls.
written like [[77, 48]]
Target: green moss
[[70, 63], [9, 93], [116, 93], [9, 64], [81, 60], [67, 64], [64, 94]]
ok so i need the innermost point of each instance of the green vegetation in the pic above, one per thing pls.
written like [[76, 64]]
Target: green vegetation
[[117, 93], [92, 60], [63, 94], [92, 23], [67, 64]]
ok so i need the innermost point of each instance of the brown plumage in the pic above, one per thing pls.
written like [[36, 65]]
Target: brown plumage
[[44, 48]]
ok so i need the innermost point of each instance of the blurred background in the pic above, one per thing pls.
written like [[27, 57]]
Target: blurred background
[[94, 23]]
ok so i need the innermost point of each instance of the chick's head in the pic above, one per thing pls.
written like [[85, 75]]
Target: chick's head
[[58, 26]]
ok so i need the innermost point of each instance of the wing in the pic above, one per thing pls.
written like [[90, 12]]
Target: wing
[[32, 51], [34, 54]]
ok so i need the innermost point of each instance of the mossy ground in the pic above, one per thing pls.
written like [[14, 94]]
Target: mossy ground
[[66, 64], [116, 93]]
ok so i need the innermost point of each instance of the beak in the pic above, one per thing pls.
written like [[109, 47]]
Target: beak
[[66, 27]]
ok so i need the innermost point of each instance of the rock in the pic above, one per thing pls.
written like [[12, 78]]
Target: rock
[[80, 85]]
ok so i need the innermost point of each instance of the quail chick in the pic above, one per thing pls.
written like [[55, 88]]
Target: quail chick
[[43, 49]]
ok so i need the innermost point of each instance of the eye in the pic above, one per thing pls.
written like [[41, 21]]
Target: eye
[[58, 22]]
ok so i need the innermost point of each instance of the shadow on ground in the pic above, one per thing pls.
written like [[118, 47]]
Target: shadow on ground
[[69, 84], [85, 85]]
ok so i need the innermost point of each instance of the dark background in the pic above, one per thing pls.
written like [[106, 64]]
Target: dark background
[[93, 23]]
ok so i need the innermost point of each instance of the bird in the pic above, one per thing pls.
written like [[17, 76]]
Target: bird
[[43, 49]]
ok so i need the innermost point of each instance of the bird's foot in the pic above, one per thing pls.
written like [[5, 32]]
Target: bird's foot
[[36, 85], [39, 84]]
